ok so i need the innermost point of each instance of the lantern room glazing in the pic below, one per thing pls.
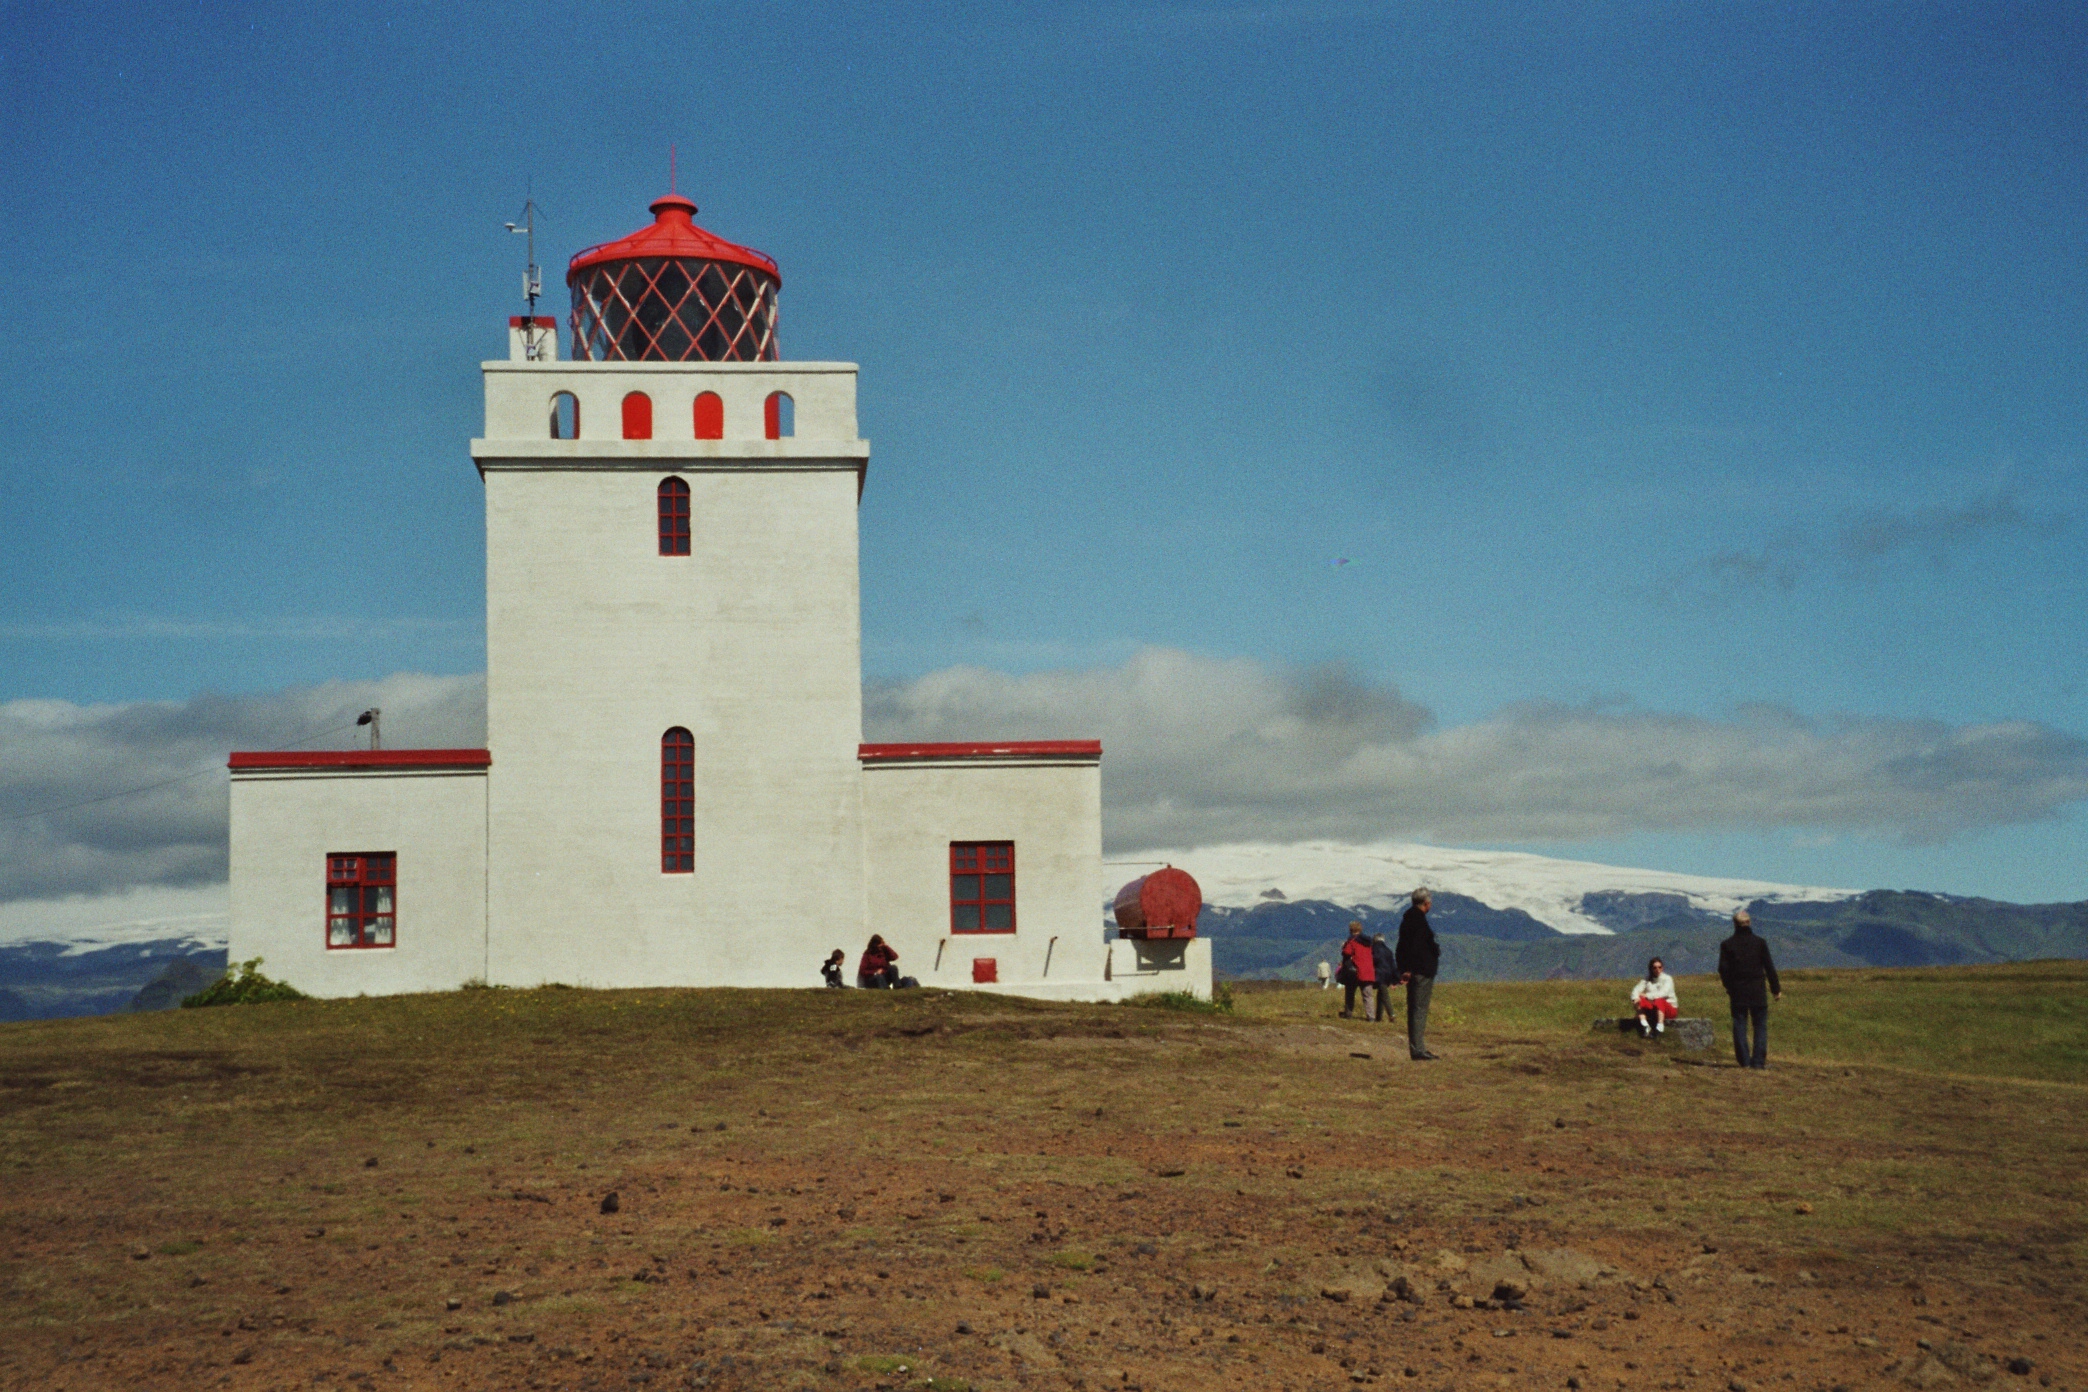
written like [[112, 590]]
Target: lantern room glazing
[[673, 292]]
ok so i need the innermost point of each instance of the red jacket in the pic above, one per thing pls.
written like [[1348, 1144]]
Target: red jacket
[[875, 960], [1356, 952]]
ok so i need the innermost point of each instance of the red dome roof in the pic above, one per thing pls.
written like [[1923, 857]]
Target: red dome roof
[[673, 233]]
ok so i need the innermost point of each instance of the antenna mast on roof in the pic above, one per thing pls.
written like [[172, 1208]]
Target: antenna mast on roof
[[532, 275]]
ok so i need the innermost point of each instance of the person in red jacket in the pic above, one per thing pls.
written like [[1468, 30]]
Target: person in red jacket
[[1358, 969], [878, 968]]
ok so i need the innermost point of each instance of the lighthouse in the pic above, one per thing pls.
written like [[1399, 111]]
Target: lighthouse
[[675, 789]]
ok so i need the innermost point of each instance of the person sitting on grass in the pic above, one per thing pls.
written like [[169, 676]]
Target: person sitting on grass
[[831, 970], [1654, 1000], [878, 970]]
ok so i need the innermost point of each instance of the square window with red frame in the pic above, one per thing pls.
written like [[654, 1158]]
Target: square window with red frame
[[360, 907], [982, 886]]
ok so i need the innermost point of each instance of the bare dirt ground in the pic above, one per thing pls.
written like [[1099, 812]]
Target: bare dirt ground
[[861, 1190]]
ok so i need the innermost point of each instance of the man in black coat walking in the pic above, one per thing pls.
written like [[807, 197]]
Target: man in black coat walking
[[1418, 959], [1749, 976]]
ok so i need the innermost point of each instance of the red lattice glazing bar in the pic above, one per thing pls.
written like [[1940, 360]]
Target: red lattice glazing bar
[[677, 802], [670, 309], [674, 517]]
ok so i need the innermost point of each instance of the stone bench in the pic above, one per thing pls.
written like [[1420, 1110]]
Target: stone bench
[[1690, 1031]]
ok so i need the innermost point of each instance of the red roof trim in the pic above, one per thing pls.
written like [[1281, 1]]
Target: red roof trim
[[1006, 749], [541, 321], [673, 232], [362, 759]]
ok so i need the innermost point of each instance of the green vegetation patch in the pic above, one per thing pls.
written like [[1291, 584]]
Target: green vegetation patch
[[1220, 1003], [884, 1363], [243, 985]]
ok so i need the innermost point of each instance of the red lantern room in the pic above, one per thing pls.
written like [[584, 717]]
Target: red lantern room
[[673, 292]]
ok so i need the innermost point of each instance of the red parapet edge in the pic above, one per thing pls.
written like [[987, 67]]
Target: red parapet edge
[[1006, 749], [361, 759], [541, 321]]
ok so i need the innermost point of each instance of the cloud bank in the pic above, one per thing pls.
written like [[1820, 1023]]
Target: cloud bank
[[56, 755], [1197, 751]]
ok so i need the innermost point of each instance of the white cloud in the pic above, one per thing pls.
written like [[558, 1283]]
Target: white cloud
[[55, 755], [1200, 750], [1197, 751]]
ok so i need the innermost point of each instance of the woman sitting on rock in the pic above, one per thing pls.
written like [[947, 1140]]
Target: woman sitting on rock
[[1654, 1000]]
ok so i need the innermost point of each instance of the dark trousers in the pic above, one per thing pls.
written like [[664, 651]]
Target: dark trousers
[[1757, 1014], [1418, 992], [1384, 1002]]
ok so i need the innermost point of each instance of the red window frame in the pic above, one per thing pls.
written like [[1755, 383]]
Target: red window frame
[[677, 802], [982, 887], [637, 416], [709, 416], [674, 517], [362, 907], [772, 422]]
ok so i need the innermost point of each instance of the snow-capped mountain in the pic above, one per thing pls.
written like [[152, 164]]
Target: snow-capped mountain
[[1382, 875]]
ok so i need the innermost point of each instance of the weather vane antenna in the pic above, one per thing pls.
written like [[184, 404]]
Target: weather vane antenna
[[532, 275]]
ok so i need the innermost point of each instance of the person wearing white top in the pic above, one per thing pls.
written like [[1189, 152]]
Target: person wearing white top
[[1653, 998], [1326, 976]]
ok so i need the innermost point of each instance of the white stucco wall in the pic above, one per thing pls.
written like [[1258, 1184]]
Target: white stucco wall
[[1050, 808], [597, 644], [285, 824]]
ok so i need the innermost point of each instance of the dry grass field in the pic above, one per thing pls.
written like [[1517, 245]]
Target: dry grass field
[[928, 1190]]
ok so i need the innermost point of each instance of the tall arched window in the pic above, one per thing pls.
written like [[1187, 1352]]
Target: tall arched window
[[674, 517], [637, 416], [677, 802], [779, 415], [710, 417], [565, 416]]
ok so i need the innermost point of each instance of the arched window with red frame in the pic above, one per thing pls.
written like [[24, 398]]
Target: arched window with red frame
[[779, 416], [710, 416], [677, 802], [674, 517], [637, 416]]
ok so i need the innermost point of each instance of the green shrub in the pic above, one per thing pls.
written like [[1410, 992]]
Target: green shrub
[[1220, 1003], [243, 985]]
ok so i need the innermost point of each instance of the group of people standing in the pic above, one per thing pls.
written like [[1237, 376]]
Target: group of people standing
[[1371, 967]]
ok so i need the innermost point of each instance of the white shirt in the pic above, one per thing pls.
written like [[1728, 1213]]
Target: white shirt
[[1661, 989]]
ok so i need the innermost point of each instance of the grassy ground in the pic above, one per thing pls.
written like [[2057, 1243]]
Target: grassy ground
[[856, 1190]]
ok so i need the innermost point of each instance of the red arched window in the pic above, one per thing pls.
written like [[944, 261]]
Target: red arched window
[[779, 416], [710, 417], [677, 802], [674, 517], [637, 416]]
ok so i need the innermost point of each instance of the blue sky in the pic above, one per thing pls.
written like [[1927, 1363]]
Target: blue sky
[[1678, 361]]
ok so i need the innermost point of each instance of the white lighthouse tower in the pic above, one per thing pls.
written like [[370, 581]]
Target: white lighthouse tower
[[675, 790], [673, 655]]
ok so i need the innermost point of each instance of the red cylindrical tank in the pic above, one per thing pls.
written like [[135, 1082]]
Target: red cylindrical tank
[[1163, 904]]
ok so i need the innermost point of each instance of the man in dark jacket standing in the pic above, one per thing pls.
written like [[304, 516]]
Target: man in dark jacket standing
[[1387, 964], [1750, 979], [1418, 958]]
